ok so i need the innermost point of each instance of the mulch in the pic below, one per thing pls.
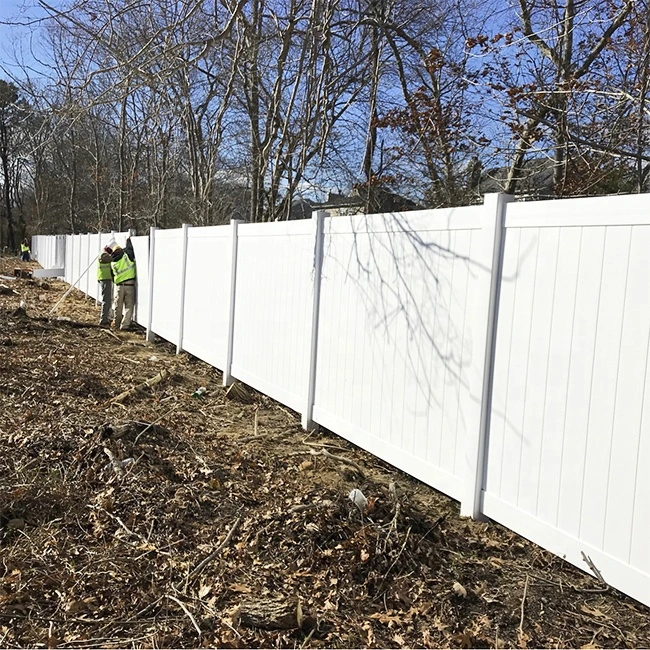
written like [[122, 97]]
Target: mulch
[[164, 519]]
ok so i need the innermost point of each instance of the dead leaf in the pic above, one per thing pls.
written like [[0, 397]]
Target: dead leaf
[[369, 632], [594, 612], [204, 590], [459, 590], [239, 588], [75, 607], [365, 556], [463, 640], [522, 639], [305, 465], [386, 618]]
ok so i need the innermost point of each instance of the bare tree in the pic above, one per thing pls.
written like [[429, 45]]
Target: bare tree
[[543, 88]]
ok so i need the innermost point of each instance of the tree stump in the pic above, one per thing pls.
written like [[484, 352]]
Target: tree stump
[[272, 614]]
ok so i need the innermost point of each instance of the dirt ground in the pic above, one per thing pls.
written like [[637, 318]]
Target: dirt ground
[[167, 520]]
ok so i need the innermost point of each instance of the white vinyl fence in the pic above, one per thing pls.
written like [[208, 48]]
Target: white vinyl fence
[[49, 250], [498, 353]]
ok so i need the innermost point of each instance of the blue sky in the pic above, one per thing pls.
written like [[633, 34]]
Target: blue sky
[[23, 14]]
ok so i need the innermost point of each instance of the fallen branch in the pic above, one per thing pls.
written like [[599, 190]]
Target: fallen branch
[[340, 459], [64, 320], [325, 445], [594, 568], [187, 611], [201, 565], [272, 614], [151, 424], [122, 525], [149, 383], [115, 336]]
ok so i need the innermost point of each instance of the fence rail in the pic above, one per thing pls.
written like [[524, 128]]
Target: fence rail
[[498, 353]]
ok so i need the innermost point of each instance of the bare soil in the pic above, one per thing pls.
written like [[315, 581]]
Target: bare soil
[[113, 554]]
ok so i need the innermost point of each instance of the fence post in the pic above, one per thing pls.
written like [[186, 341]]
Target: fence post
[[319, 221], [179, 345], [100, 249], [77, 254], [486, 309], [152, 250], [90, 259], [227, 376]]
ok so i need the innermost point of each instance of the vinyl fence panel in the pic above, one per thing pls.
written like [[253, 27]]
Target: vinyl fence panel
[[141, 251], [165, 316], [272, 327], [207, 293], [395, 338], [94, 250], [570, 436]]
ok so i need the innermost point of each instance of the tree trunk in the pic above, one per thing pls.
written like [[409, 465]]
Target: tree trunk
[[6, 177], [122, 164]]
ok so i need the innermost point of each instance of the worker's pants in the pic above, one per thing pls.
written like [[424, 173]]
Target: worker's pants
[[124, 300], [106, 298]]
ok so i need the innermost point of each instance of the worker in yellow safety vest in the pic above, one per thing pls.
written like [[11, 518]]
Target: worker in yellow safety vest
[[24, 250], [105, 279], [124, 274]]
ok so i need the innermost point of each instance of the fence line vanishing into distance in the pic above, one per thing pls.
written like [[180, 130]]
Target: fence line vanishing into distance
[[498, 353]]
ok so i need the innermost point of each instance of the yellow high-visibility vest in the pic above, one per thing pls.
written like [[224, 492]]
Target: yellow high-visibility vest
[[104, 271], [123, 269]]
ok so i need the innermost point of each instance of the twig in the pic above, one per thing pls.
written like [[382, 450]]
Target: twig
[[325, 503], [187, 611], [61, 621], [308, 637], [390, 568], [158, 419], [143, 611], [393, 525], [201, 565], [115, 336], [594, 568], [322, 444], [149, 383], [523, 603], [547, 581], [340, 459], [117, 466], [121, 523]]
